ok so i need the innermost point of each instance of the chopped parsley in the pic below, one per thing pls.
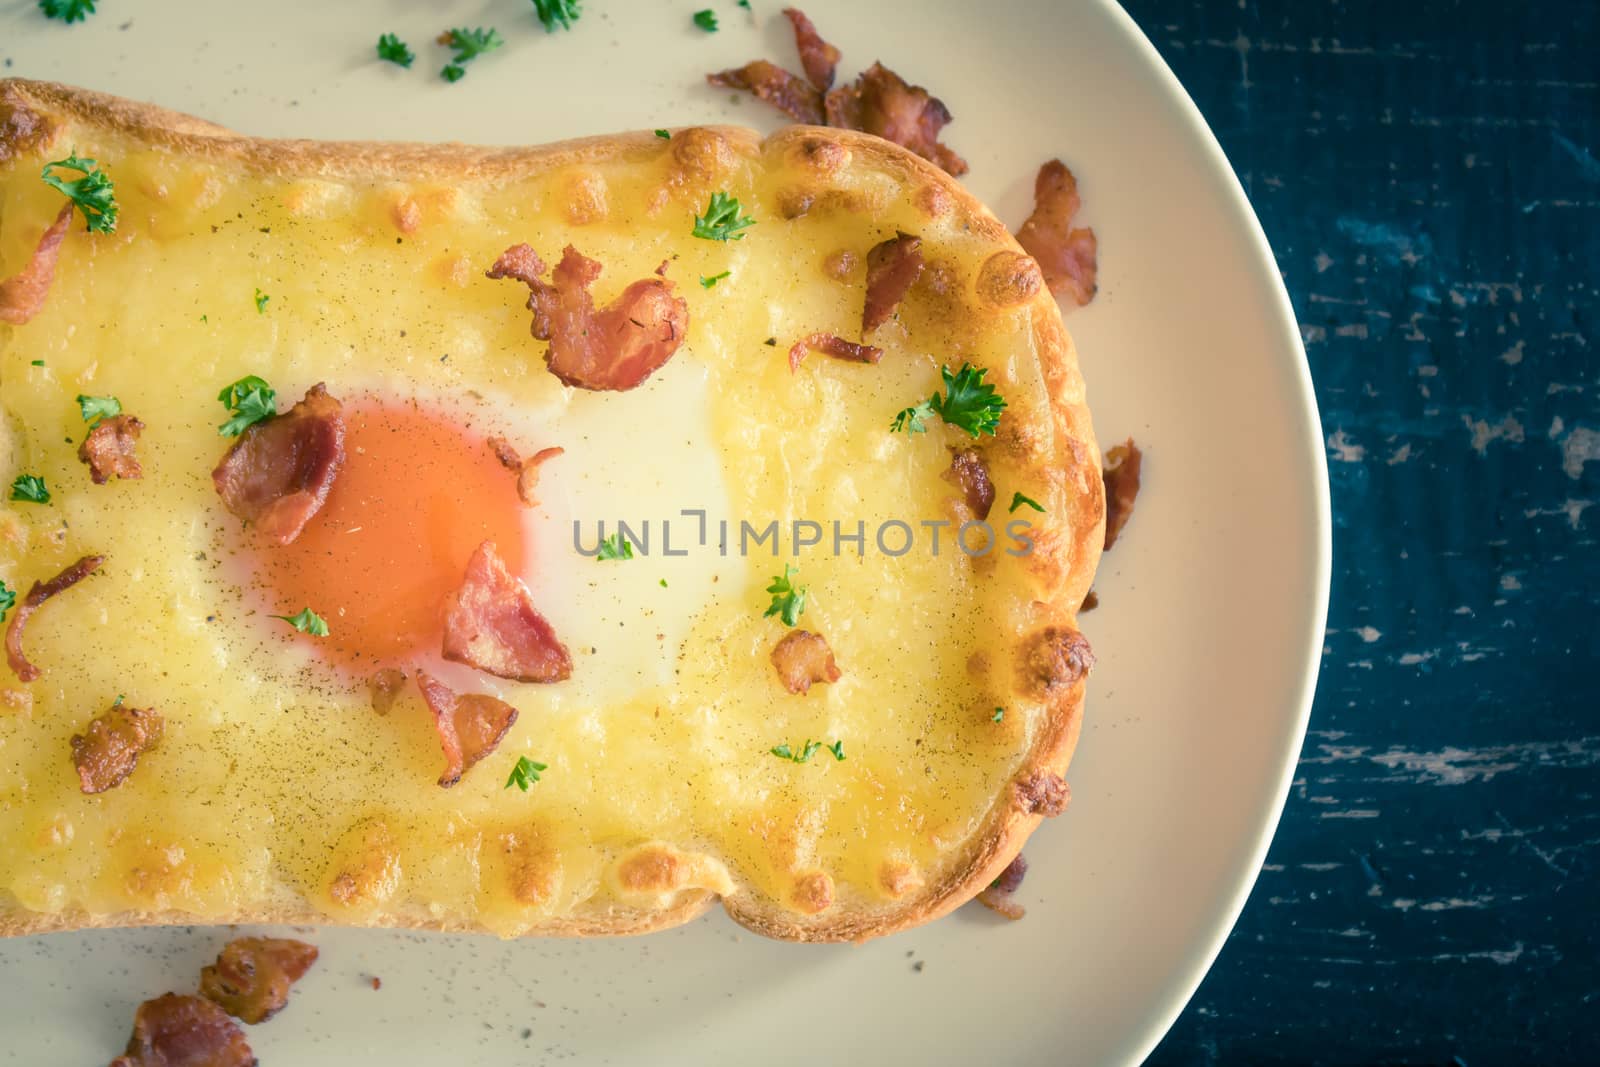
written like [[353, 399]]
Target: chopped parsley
[[1018, 500], [7, 598], [394, 50], [525, 773], [663, 583], [95, 408], [30, 488], [68, 11], [808, 750], [261, 302], [38, 363], [999, 715], [665, 135], [706, 20], [307, 622], [967, 403], [743, 3], [469, 45], [93, 193], [250, 400], [707, 283], [555, 13], [615, 547], [788, 599], [722, 219]]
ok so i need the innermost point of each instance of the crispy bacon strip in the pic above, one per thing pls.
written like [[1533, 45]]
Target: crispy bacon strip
[[617, 347], [830, 345], [970, 474], [1065, 255], [178, 1031], [385, 686], [526, 470], [893, 266], [23, 294], [882, 103], [787, 92], [37, 595], [803, 659], [252, 976], [818, 58], [470, 726], [1122, 486], [277, 475], [109, 449], [490, 623], [108, 751], [997, 896]]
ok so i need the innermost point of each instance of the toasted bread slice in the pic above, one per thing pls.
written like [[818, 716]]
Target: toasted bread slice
[[676, 765]]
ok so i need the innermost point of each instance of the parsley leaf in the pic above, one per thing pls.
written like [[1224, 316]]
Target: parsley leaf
[[554, 12], [743, 3], [7, 598], [615, 547], [723, 217], [31, 488], [706, 20], [1018, 500], [525, 773], [261, 302], [665, 135], [93, 193], [452, 73], [788, 600], [913, 420], [68, 11], [969, 403], [837, 748], [999, 714], [707, 283], [807, 750], [95, 408], [307, 622], [251, 400], [395, 50]]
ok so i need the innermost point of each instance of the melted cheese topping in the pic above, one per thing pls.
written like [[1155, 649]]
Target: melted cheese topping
[[275, 784]]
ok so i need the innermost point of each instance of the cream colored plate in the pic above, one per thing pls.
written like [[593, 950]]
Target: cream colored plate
[[1212, 605]]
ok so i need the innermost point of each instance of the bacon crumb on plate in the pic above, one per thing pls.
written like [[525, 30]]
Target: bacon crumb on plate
[[1066, 255], [253, 975], [998, 895], [787, 92], [1122, 468], [184, 1031], [37, 595], [882, 103], [277, 475], [818, 58]]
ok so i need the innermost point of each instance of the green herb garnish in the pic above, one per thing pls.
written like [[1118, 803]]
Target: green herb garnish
[[251, 400], [95, 408], [913, 419], [68, 11], [558, 12], [706, 20], [664, 135], [721, 220], [807, 750], [30, 488], [525, 773], [394, 50], [93, 193], [307, 622], [707, 283], [968, 403], [1018, 500], [261, 302], [7, 598], [788, 600], [999, 714], [469, 45], [615, 547]]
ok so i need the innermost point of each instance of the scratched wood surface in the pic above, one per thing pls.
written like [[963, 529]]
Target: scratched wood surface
[[1428, 173]]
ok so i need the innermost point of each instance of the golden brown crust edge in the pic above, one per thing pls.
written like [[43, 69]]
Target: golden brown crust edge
[[1076, 458]]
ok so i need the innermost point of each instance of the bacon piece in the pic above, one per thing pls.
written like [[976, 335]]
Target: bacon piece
[[1091, 600], [470, 726], [881, 103], [385, 686], [997, 896], [830, 345], [617, 347], [490, 623], [252, 976], [278, 474], [893, 266], [804, 659], [179, 1031], [1065, 255], [1044, 794], [1122, 486], [37, 594], [787, 92], [1054, 658], [22, 295], [109, 449], [526, 470], [108, 751], [818, 58], [970, 474]]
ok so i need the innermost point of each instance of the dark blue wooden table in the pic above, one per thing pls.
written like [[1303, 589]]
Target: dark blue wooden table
[[1429, 175]]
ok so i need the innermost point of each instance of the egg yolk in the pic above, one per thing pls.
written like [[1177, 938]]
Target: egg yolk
[[418, 492]]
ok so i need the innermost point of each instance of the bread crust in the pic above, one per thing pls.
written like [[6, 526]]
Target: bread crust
[[29, 113]]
